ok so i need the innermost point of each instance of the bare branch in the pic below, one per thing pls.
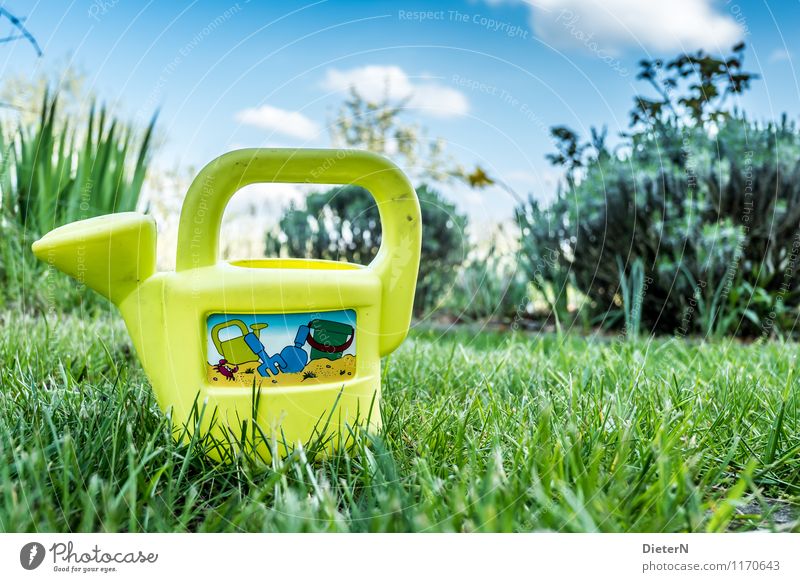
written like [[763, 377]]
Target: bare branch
[[24, 33]]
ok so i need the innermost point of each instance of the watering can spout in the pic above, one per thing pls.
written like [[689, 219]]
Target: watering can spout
[[112, 254]]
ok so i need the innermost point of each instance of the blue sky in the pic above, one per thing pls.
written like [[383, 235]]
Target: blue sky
[[490, 77]]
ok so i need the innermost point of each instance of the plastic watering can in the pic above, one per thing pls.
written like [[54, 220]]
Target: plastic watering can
[[196, 330]]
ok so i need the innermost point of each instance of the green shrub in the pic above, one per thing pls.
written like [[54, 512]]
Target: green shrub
[[711, 219], [56, 176], [489, 286], [343, 224], [56, 171], [542, 230], [692, 226]]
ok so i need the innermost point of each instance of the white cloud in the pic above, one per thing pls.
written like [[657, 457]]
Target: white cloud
[[611, 25], [377, 81], [290, 123], [780, 55]]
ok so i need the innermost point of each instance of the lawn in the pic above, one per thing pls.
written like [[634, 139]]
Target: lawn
[[482, 432]]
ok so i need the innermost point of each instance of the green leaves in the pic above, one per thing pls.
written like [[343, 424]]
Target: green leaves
[[712, 218], [58, 170], [53, 178], [343, 223], [691, 87]]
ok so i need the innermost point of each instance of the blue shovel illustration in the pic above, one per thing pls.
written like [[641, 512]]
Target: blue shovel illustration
[[271, 363], [295, 356], [291, 359]]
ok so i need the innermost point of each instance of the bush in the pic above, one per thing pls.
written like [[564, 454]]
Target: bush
[[343, 224], [542, 232], [489, 286], [59, 170], [711, 221], [53, 179]]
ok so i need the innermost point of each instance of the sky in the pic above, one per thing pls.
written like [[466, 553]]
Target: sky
[[488, 77]]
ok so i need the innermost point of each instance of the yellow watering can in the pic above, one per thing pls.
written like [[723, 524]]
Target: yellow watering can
[[212, 331]]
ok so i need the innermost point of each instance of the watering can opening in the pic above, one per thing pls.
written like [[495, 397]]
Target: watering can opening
[[317, 264]]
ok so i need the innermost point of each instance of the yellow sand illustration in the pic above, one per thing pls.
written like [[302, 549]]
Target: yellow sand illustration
[[316, 372]]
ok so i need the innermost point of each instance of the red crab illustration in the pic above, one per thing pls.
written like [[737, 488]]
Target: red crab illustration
[[227, 371]]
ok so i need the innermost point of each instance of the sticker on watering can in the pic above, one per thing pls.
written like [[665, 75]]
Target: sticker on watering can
[[281, 349]]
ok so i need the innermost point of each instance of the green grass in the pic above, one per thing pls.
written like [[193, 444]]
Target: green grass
[[483, 432]]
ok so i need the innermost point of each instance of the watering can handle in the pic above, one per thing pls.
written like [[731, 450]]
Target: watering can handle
[[397, 261]]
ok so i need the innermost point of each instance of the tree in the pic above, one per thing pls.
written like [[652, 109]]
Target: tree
[[18, 31], [377, 126], [686, 229], [690, 87], [343, 224]]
